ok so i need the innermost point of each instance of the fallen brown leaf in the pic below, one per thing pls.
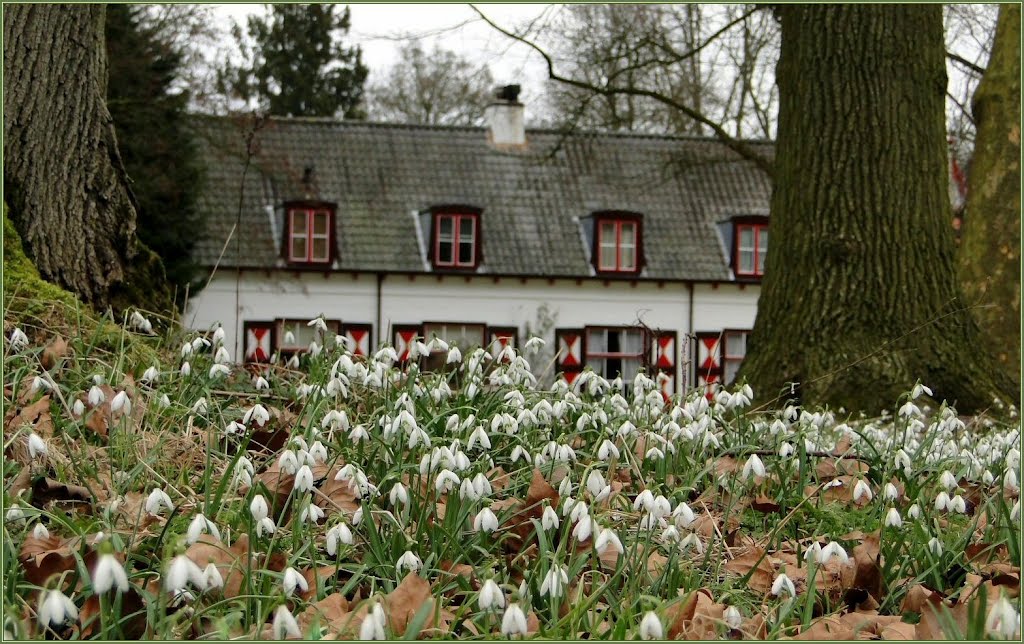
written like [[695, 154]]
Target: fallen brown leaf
[[36, 415], [826, 628], [755, 563], [54, 352]]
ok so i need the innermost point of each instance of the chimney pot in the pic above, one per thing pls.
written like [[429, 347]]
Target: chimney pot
[[506, 118]]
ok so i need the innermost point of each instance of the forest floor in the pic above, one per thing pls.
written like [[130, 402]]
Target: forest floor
[[355, 497]]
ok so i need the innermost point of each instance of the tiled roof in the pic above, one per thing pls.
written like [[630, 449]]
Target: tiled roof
[[532, 199]]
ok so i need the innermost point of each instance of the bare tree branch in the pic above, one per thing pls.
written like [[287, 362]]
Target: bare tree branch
[[966, 63], [740, 147]]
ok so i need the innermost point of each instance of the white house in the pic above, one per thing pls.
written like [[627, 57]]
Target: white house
[[622, 251]]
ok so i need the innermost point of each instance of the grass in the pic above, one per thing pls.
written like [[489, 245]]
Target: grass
[[693, 572]]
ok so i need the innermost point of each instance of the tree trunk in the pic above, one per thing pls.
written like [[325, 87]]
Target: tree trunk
[[63, 176], [990, 249], [860, 297]]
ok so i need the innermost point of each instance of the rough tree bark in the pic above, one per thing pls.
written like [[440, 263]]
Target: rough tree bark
[[63, 176], [860, 297], [989, 259]]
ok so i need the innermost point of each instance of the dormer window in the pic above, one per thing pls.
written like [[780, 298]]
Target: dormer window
[[455, 240], [310, 238], [618, 242], [751, 246]]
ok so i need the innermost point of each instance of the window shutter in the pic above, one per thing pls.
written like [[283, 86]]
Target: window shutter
[[708, 360], [358, 338], [571, 352], [404, 334], [259, 341], [664, 359]]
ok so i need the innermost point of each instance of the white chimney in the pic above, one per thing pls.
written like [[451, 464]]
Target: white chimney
[[505, 118]]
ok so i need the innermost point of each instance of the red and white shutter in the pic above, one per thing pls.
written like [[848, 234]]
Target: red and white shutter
[[358, 338], [259, 341], [664, 359], [571, 352], [404, 335], [708, 361]]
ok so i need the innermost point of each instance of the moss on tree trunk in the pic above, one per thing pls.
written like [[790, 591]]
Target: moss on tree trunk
[[990, 250], [860, 296]]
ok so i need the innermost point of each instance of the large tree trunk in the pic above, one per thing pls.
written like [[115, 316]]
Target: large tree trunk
[[860, 297], [990, 250], [63, 177]]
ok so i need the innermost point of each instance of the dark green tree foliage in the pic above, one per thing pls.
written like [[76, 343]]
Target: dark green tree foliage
[[159, 155], [296, 64]]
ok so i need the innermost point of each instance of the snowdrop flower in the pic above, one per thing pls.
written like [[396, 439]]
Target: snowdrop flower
[[565, 487], [163, 402], [485, 521], [288, 462], [446, 481], [1010, 483], [942, 500], [554, 582], [490, 595], [96, 397], [1015, 511], [109, 574], [284, 624], [935, 546], [752, 466], [684, 516], [339, 534], [644, 499], [607, 537], [261, 384], [478, 437], [549, 520], [535, 344], [892, 519], [862, 491], [783, 583], [902, 460], [909, 410], [258, 413], [914, 512], [293, 580], [186, 369], [595, 483], [513, 622], [18, 339], [56, 609], [692, 541], [156, 501], [890, 493], [987, 478], [813, 553], [654, 454], [399, 495], [957, 504], [265, 525], [152, 374], [78, 408], [651, 628], [198, 526], [468, 491], [14, 513], [918, 390], [182, 572], [259, 508], [408, 561], [358, 433], [40, 383], [40, 532], [786, 450], [212, 577], [625, 429], [372, 627], [121, 403], [482, 485], [218, 370], [607, 450], [835, 550], [1003, 621], [583, 529], [200, 407], [733, 617], [36, 446], [947, 480]]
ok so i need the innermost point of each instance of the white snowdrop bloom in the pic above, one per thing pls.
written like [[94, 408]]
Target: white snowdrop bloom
[[234, 428], [18, 339], [1010, 483], [692, 541], [670, 534], [408, 561], [935, 546], [684, 516], [918, 390], [833, 550], [645, 499], [1015, 511], [662, 507], [942, 501], [40, 382], [565, 454], [293, 363], [478, 437], [909, 410], [454, 356], [555, 582], [212, 577], [1003, 621], [957, 504], [109, 574], [256, 413], [565, 487], [862, 491], [583, 529], [513, 622], [607, 537], [893, 519], [595, 483], [733, 617], [78, 408], [650, 627], [418, 437], [96, 397], [36, 446], [398, 495], [288, 462], [260, 384], [813, 553], [359, 433], [284, 625], [914, 512], [258, 508], [14, 513], [607, 450], [40, 531], [152, 374], [56, 609], [468, 491], [485, 521], [339, 534], [182, 572], [947, 480], [782, 584], [318, 452], [482, 485], [221, 356], [578, 510], [902, 460], [437, 345], [219, 370], [199, 525], [293, 580], [625, 429], [987, 478], [490, 596], [654, 454], [200, 407], [786, 450], [121, 403], [156, 501], [218, 336], [266, 526], [373, 624], [753, 466], [890, 492], [534, 344], [446, 481], [549, 520]]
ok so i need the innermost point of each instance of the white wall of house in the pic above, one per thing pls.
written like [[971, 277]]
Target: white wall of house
[[505, 301]]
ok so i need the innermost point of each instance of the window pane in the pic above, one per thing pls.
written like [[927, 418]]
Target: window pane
[[299, 222], [735, 345], [732, 367], [466, 226], [320, 248], [444, 252], [607, 259], [628, 233], [320, 223], [597, 341], [628, 259], [746, 237], [298, 248], [631, 342], [762, 239], [445, 228], [607, 232], [465, 252], [746, 261]]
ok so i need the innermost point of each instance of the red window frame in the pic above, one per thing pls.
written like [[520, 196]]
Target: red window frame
[[618, 220], [758, 260], [310, 212], [457, 239]]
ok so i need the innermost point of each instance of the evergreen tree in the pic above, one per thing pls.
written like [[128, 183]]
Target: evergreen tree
[[296, 64], [159, 155]]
